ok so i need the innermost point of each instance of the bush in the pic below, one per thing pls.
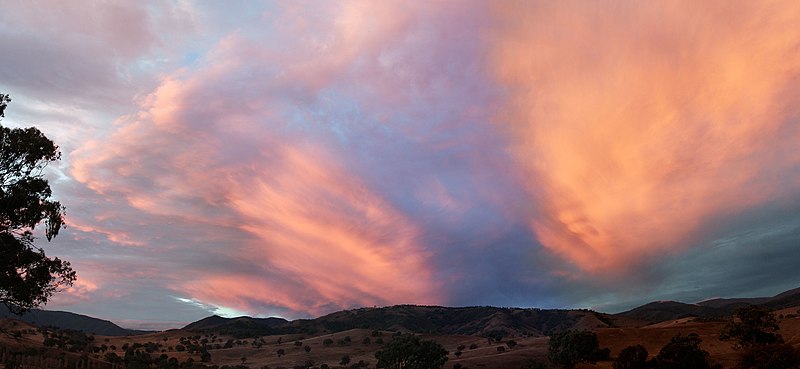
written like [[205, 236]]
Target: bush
[[632, 357], [774, 356], [752, 325], [682, 352], [569, 348], [409, 352]]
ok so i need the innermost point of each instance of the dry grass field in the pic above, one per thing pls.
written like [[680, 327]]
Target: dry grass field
[[361, 344]]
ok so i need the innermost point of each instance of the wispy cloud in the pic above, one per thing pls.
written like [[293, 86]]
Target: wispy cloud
[[292, 159], [634, 136]]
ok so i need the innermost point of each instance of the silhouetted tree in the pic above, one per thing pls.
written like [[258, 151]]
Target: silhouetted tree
[[409, 352], [682, 352], [752, 325], [772, 356], [569, 348], [754, 330], [632, 357], [27, 277]]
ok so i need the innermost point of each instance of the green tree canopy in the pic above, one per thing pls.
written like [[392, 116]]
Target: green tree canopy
[[409, 352], [27, 276]]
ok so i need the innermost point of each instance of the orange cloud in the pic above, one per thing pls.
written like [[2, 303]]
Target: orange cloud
[[332, 232], [635, 123]]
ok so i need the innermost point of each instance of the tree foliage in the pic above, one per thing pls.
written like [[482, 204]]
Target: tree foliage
[[27, 276], [569, 348], [752, 325], [409, 352], [632, 357], [754, 331], [772, 356], [682, 352]]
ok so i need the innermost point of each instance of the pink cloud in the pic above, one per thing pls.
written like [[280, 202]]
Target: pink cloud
[[217, 145], [637, 124]]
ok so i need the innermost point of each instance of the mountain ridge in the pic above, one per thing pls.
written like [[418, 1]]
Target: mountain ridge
[[69, 320], [471, 320]]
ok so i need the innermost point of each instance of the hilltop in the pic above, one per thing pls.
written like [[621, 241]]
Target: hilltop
[[476, 337]]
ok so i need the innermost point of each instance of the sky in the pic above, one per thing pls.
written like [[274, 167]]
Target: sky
[[296, 158]]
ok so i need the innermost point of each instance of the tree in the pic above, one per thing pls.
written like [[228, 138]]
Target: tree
[[682, 352], [345, 360], [754, 331], [752, 325], [772, 356], [632, 357], [569, 348], [409, 352], [27, 276]]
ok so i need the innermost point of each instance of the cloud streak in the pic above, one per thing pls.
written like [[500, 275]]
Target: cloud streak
[[634, 135], [294, 159]]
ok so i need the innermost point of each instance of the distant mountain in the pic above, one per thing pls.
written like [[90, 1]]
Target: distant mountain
[[67, 320], [241, 323], [479, 320], [655, 312], [672, 310], [734, 303], [486, 321]]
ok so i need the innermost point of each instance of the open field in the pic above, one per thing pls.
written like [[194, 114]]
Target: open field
[[361, 344]]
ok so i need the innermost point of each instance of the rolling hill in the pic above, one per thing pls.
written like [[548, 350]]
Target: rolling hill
[[660, 311], [483, 321], [67, 320]]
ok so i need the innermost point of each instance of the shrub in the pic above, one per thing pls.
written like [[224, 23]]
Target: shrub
[[632, 357]]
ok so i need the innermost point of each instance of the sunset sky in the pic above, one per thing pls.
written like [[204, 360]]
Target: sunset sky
[[297, 158]]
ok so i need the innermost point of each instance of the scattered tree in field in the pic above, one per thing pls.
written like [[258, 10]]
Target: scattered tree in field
[[754, 331], [511, 344], [327, 342], [345, 360], [752, 325], [682, 352], [632, 357], [29, 277], [281, 352], [205, 356], [409, 352], [772, 356], [307, 348], [569, 348]]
